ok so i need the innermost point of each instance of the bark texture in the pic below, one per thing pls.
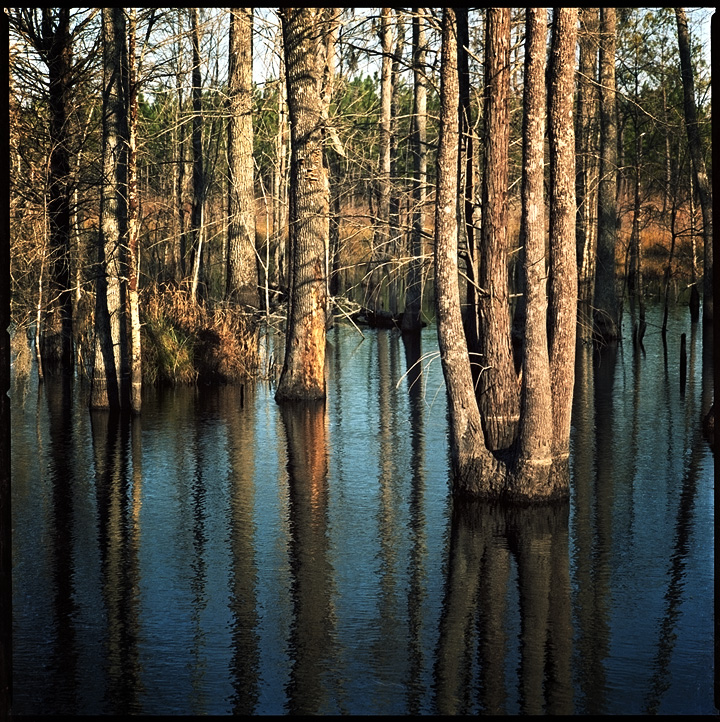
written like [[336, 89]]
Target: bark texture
[[242, 274], [303, 374]]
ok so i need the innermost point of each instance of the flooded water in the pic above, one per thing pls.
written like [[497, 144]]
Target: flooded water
[[222, 555]]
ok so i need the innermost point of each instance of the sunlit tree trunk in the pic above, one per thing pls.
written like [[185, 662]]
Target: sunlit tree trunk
[[562, 311], [535, 434], [606, 318], [303, 374], [133, 222], [698, 161], [411, 316], [242, 274], [109, 317], [197, 220], [474, 468], [498, 387], [587, 167]]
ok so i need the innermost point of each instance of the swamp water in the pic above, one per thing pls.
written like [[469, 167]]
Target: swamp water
[[222, 555]]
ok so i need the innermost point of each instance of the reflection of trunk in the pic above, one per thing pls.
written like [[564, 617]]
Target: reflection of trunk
[[237, 410], [698, 161], [472, 625], [411, 316], [538, 537], [311, 635]]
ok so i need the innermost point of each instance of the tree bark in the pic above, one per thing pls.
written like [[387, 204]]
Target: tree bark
[[303, 374], [535, 434], [413, 298], [606, 311], [475, 470], [133, 223], [498, 387], [587, 168], [563, 263], [109, 317], [198, 178], [698, 160], [242, 274]]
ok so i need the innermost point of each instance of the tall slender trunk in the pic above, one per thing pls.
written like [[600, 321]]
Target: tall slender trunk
[[498, 387], [562, 312], [133, 202], [606, 311], [242, 273], [198, 178], [413, 299], [535, 434], [587, 167], [106, 392], [695, 145]]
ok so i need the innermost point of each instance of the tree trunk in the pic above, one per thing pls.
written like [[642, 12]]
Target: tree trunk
[[303, 374], [606, 312], [242, 274], [698, 160], [587, 168], [475, 470], [57, 344], [413, 298], [498, 387], [109, 317], [562, 320], [198, 179], [535, 434], [133, 223]]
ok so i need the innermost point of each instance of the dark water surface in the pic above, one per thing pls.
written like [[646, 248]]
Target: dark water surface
[[222, 555]]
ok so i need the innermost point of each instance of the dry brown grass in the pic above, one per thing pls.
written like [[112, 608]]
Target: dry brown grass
[[185, 342]]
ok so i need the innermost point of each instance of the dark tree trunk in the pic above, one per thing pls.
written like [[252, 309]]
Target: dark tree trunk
[[698, 160], [606, 312]]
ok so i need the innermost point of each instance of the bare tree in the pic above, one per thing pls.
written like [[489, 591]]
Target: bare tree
[[305, 33], [242, 275], [698, 161], [606, 307]]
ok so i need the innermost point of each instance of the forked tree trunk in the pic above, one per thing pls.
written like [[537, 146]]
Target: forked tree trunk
[[242, 274], [303, 374], [475, 469]]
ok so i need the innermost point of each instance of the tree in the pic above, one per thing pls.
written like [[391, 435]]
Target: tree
[[242, 275], [535, 468], [698, 161], [498, 387], [197, 221], [48, 32], [305, 33], [411, 316], [606, 311], [110, 342]]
